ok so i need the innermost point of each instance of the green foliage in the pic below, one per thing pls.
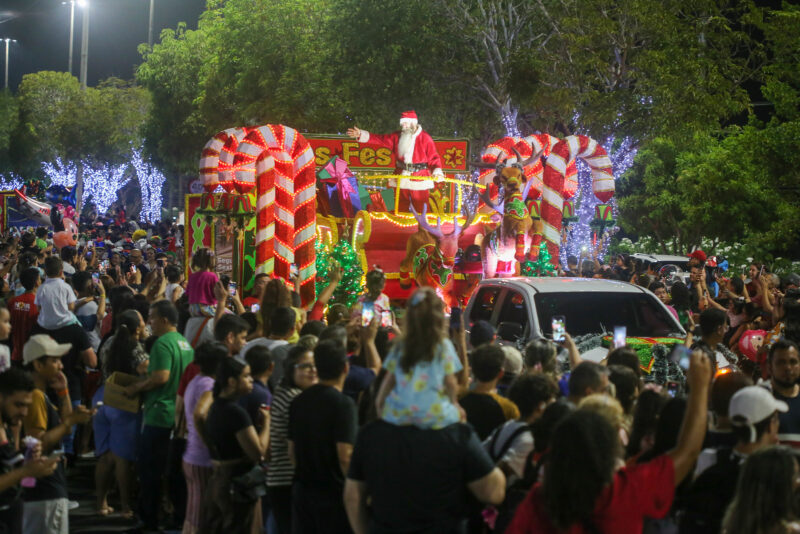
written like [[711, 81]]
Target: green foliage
[[636, 67], [58, 119], [9, 118]]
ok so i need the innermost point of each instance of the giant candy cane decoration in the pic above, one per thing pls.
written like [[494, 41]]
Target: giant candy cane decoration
[[210, 157], [281, 162], [561, 156]]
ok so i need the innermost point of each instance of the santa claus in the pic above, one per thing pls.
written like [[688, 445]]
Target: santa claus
[[415, 155]]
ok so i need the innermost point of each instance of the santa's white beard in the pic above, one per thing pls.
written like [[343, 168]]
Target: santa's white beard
[[405, 145]]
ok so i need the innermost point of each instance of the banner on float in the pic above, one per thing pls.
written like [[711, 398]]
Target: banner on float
[[363, 157]]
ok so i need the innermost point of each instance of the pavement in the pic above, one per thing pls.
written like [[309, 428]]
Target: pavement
[[80, 484]]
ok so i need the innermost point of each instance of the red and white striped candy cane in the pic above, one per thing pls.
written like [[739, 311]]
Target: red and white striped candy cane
[[228, 165], [283, 163], [561, 156], [209, 159]]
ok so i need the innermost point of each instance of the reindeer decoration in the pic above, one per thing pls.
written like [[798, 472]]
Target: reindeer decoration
[[514, 233], [431, 254]]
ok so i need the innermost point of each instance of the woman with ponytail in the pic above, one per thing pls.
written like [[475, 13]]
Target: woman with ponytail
[[116, 431], [235, 447]]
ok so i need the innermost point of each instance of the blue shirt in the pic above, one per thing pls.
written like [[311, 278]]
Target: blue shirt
[[252, 401]]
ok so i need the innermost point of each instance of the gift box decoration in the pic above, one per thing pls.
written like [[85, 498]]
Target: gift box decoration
[[604, 212], [340, 186]]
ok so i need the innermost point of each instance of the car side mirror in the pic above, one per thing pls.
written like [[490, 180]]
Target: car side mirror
[[509, 331]]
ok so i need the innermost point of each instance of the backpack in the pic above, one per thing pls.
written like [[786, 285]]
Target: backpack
[[517, 491]]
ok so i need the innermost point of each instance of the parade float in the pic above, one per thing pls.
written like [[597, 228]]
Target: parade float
[[272, 200]]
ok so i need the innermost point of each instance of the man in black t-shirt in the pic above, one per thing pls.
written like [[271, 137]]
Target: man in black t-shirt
[[416, 478], [322, 429]]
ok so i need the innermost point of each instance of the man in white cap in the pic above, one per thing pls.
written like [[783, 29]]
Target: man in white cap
[[46, 507], [415, 154], [753, 412]]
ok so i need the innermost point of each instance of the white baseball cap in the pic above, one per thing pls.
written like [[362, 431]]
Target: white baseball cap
[[42, 345], [753, 404]]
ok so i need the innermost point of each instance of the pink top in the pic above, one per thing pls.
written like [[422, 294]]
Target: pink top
[[200, 288]]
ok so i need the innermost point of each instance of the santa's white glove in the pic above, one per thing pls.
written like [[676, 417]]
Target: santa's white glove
[[437, 172]]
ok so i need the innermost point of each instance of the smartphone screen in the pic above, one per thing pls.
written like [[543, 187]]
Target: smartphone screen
[[255, 307], [559, 328], [367, 313], [232, 288], [620, 336], [680, 356], [386, 319], [96, 278], [672, 389], [133, 268]]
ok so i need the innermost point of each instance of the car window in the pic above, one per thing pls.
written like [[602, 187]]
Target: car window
[[594, 313], [512, 319], [513, 309], [484, 304]]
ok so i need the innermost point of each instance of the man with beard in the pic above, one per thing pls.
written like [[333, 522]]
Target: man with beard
[[416, 156], [784, 367], [16, 396]]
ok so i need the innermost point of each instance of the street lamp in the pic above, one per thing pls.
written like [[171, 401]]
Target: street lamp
[[71, 30], [8, 41], [84, 41], [150, 28]]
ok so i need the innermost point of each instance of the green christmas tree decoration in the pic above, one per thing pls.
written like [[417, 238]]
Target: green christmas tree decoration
[[343, 254], [543, 266]]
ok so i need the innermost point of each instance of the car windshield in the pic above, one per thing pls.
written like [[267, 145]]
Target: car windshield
[[595, 313]]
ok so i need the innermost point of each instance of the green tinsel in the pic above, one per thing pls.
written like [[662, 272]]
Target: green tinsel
[[344, 255], [541, 267]]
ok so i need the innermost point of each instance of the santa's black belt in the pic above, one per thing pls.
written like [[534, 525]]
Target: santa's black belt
[[413, 167]]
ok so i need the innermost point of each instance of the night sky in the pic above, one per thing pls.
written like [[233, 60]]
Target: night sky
[[116, 28]]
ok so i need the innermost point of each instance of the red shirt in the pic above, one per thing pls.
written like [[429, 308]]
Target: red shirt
[[638, 491], [23, 316], [191, 371], [316, 313]]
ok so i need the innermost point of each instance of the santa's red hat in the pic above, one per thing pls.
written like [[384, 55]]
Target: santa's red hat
[[409, 115]]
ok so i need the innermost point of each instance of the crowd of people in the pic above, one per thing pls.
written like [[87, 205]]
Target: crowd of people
[[217, 409]]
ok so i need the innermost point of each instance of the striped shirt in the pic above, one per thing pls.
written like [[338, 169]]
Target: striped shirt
[[281, 470]]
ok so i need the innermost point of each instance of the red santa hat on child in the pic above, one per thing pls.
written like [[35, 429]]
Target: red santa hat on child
[[409, 116]]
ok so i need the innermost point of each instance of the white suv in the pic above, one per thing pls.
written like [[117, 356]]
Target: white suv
[[522, 308]]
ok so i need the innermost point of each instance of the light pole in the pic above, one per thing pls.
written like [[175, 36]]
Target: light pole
[[84, 41], [71, 30], [150, 27], [8, 41]]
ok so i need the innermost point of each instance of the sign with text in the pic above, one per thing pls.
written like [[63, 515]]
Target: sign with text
[[364, 157]]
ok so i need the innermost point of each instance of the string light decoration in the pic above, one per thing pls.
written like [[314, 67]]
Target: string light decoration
[[61, 172], [151, 181], [344, 254], [102, 185], [10, 182], [580, 233]]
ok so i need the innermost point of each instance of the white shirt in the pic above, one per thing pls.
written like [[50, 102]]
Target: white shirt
[[87, 310], [53, 299]]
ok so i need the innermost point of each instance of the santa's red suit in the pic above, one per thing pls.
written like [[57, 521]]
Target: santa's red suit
[[416, 156]]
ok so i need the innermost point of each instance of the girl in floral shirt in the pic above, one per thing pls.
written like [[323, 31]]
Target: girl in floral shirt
[[420, 387]]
